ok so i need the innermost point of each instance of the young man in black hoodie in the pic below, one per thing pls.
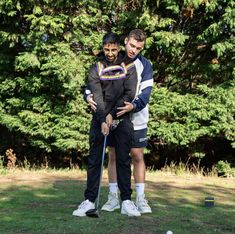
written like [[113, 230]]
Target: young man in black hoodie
[[112, 81]]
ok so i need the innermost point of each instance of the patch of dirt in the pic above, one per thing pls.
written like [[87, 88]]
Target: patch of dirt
[[156, 180], [37, 178]]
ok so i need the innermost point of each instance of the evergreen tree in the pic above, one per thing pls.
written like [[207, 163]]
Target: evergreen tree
[[47, 47]]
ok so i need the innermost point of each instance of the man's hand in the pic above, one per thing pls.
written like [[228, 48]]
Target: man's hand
[[104, 129], [127, 108], [91, 102], [109, 120]]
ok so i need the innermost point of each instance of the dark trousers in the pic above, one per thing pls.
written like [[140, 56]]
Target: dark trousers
[[123, 136]]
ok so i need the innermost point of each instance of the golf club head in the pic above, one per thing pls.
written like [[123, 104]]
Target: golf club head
[[93, 213]]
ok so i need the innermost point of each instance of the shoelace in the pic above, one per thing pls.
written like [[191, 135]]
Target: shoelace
[[110, 198], [109, 202], [83, 205], [132, 206], [143, 201]]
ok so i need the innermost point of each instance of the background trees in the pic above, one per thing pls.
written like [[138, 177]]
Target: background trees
[[47, 46]]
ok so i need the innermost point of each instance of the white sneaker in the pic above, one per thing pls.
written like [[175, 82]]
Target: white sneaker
[[129, 208], [83, 208], [142, 204], [112, 203]]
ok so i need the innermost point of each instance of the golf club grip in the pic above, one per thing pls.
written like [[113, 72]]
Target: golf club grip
[[104, 146]]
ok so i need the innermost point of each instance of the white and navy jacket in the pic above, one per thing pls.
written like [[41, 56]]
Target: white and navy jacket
[[140, 114]]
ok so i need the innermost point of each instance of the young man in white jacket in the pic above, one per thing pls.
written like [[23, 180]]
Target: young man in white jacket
[[134, 43]]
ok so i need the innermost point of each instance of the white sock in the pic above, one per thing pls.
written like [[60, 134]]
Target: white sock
[[113, 188], [139, 187]]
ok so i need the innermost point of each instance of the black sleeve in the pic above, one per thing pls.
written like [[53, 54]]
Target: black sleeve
[[96, 89], [130, 84]]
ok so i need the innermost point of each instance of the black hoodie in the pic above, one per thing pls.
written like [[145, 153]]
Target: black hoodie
[[110, 94]]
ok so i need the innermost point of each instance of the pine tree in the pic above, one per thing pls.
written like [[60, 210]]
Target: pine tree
[[47, 47]]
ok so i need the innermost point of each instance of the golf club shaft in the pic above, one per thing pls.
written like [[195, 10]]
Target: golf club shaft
[[101, 172]]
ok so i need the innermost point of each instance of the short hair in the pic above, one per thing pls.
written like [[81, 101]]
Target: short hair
[[137, 34], [111, 38]]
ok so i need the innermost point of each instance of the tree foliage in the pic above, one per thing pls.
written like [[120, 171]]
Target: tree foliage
[[47, 46]]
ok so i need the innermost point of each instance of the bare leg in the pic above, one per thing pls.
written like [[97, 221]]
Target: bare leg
[[112, 165], [139, 176], [113, 201], [139, 164]]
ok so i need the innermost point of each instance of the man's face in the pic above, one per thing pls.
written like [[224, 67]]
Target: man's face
[[133, 47], [111, 51]]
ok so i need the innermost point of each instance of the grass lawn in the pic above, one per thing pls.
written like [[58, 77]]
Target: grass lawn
[[42, 202]]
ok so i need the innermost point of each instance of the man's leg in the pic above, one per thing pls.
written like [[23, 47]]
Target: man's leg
[[112, 173], [139, 170], [137, 153], [139, 164], [113, 201], [123, 143], [93, 170], [112, 165]]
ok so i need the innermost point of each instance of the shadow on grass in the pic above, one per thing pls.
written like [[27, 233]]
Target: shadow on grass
[[186, 194], [47, 209], [185, 204]]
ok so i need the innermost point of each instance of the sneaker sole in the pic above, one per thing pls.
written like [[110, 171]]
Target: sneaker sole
[[145, 212], [80, 215], [130, 215], [110, 210]]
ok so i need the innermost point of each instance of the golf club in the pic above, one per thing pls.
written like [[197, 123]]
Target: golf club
[[94, 213]]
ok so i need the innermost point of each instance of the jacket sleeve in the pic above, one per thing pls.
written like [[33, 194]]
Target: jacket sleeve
[[144, 89], [87, 92], [130, 84], [95, 87]]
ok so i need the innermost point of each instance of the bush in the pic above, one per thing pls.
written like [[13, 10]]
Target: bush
[[224, 169]]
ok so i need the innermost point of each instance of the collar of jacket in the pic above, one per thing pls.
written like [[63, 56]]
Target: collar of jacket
[[128, 60]]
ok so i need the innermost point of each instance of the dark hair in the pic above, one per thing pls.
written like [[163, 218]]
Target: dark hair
[[111, 38], [137, 34]]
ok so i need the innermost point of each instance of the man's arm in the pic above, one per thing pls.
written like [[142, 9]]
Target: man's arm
[[144, 91], [130, 84], [96, 90], [145, 88]]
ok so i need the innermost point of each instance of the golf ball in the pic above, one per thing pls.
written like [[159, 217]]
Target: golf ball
[[169, 232]]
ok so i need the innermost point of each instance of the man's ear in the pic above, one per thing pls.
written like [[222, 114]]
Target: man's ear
[[126, 40]]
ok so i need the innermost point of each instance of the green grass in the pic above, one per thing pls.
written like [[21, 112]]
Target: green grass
[[42, 202]]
